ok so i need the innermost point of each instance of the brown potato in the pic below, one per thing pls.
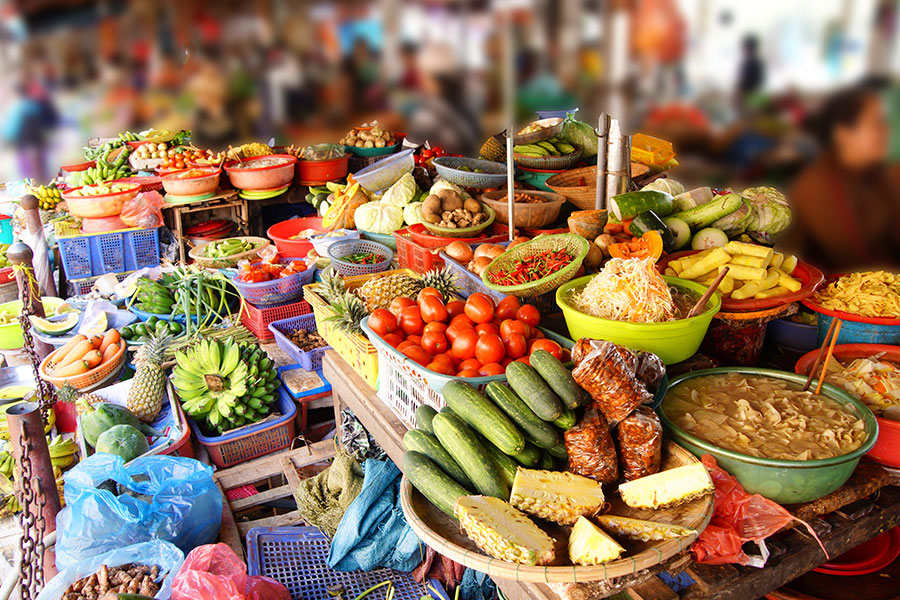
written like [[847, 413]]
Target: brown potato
[[431, 206], [472, 205], [450, 200]]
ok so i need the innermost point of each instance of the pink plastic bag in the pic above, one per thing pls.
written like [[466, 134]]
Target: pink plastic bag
[[214, 572], [144, 210], [739, 517]]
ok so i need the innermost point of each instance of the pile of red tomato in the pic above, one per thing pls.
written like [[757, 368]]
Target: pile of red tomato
[[424, 156], [471, 338]]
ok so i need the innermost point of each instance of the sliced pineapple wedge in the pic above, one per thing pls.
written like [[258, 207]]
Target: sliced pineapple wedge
[[557, 496], [668, 488], [502, 531], [590, 545], [642, 531]]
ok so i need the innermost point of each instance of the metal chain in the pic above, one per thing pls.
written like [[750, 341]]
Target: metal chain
[[47, 392], [31, 520]]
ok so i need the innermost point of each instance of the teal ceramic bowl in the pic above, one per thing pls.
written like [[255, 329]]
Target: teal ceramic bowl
[[782, 481]]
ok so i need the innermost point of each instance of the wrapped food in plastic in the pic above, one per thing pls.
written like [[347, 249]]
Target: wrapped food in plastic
[[640, 443], [585, 346], [607, 374], [650, 370], [591, 450]]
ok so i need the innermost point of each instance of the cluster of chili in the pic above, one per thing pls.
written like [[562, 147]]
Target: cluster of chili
[[363, 258], [535, 267]]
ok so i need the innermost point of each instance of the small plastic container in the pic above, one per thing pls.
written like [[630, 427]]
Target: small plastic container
[[277, 291], [310, 360], [101, 253], [336, 252], [257, 319], [418, 249], [651, 151], [385, 172]]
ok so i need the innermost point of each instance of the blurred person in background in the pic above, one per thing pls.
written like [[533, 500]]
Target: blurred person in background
[[213, 124], [847, 203], [27, 126], [439, 114], [751, 71]]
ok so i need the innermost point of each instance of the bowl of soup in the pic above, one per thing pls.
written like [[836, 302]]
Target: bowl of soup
[[788, 445], [673, 340]]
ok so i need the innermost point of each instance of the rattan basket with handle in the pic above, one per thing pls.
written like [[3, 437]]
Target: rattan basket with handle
[[575, 245]]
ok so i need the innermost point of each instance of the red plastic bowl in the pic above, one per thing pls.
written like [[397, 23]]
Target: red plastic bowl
[[866, 558], [79, 167], [887, 447], [263, 177], [281, 233], [317, 172]]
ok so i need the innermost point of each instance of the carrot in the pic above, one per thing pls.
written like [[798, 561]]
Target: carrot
[[68, 346], [112, 337], [110, 351], [75, 353], [76, 368], [93, 358], [95, 341]]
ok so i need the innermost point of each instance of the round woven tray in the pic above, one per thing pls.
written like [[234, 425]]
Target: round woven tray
[[528, 215], [574, 244], [441, 532], [228, 261], [549, 163], [448, 167], [465, 232]]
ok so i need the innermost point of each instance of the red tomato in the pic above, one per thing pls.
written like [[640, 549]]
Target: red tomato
[[394, 339], [398, 304], [404, 345], [489, 349], [455, 329], [417, 354], [382, 321], [506, 308], [480, 308], [491, 369], [439, 366], [483, 328], [432, 309], [516, 346], [415, 339], [411, 320], [430, 291], [436, 326], [455, 307], [510, 326], [548, 345], [525, 360], [464, 344], [443, 357], [470, 363], [537, 334], [505, 362], [468, 373], [434, 342], [529, 314], [462, 320]]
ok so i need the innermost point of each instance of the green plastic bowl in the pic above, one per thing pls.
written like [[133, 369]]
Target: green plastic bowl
[[11, 337], [782, 481], [672, 341]]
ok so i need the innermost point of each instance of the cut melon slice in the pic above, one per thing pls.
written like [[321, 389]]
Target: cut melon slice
[[59, 327], [66, 308], [668, 488], [642, 531], [590, 545]]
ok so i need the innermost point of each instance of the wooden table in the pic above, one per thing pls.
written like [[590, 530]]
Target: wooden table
[[229, 200], [856, 513]]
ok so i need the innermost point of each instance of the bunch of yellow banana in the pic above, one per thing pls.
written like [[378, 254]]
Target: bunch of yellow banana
[[48, 196], [62, 452]]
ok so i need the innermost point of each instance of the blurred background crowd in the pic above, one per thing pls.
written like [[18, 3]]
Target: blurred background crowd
[[745, 91]]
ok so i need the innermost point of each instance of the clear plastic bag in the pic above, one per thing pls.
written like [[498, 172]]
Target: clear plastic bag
[[144, 210], [640, 443], [607, 372], [154, 552], [156, 497], [214, 572], [591, 450]]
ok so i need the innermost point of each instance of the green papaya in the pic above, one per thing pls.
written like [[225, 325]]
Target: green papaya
[[122, 440], [104, 415]]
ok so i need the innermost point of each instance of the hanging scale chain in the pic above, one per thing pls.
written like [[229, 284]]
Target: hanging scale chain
[[46, 392], [31, 521]]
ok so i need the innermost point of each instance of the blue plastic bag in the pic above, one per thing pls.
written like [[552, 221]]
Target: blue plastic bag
[[373, 532], [179, 503], [156, 552]]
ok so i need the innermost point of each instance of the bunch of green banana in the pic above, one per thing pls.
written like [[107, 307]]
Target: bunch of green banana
[[550, 147], [226, 383], [4, 261], [104, 149], [48, 196], [7, 464], [153, 297], [106, 171], [130, 136], [229, 247]]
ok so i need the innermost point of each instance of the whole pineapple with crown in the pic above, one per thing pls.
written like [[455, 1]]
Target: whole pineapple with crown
[[146, 394], [378, 292]]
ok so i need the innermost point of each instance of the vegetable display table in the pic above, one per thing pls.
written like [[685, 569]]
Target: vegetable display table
[[851, 515]]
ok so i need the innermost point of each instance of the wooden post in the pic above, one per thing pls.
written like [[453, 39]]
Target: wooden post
[[34, 227], [20, 254]]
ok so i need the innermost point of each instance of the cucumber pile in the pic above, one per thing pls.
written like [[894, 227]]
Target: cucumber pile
[[549, 147], [476, 443]]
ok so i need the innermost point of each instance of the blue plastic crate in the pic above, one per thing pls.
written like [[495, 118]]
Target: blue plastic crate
[[310, 360], [116, 252], [298, 558]]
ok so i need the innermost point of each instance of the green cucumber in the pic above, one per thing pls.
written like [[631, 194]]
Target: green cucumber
[[558, 451], [559, 378], [536, 430], [547, 463], [470, 454], [529, 386], [631, 204], [566, 420], [424, 415], [706, 214], [709, 237], [679, 230], [425, 443], [505, 465], [529, 457], [650, 221], [440, 489], [483, 416]]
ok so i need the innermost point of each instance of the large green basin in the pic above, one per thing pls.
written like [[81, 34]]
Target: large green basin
[[783, 481]]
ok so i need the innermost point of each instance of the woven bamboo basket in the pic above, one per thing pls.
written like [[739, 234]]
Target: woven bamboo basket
[[579, 186], [198, 254], [575, 245], [441, 532]]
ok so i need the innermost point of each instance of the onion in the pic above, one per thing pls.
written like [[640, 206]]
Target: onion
[[479, 264], [516, 241], [494, 251], [458, 251]]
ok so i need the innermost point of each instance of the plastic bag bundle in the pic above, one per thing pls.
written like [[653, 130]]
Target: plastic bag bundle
[[640, 443], [608, 375], [591, 450], [214, 572], [144, 210]]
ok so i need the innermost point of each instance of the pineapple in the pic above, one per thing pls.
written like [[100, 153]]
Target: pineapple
[[557, 496], [443, 280], [642, 531], [332, 287], [350, 311], [668, 488], [146, 393], [378, 292], [589, 545], [502, 531]]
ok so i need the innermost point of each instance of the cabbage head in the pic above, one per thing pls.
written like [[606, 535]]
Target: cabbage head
[[402, 192], [443, 184], [412, 213], [664, 184], [736, 223], [580, 134], [378, 217], [770, 213]]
